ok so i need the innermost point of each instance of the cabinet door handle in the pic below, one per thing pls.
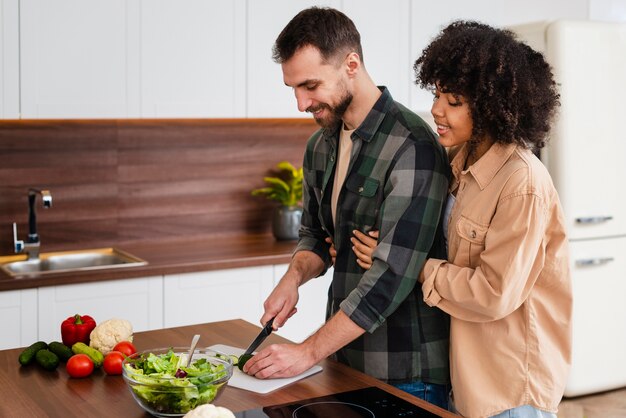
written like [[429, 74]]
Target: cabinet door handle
[[593, 219], [594, 261]]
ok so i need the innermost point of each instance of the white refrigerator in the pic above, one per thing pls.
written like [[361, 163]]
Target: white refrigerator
[[586, 157]]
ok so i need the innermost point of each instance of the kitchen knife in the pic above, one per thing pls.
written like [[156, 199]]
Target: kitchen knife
[[267, 330]]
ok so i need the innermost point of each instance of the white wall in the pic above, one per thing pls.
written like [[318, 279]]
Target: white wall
[[607, 10], [428, 21]]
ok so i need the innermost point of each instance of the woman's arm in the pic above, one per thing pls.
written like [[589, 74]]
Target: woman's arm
[[506, 271]]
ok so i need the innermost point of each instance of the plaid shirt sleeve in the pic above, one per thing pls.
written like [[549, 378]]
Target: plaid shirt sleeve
[[312, 233], [415, 192]]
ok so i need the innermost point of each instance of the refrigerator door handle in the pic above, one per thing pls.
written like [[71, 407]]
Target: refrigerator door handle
[[584, 262], [593, 219]]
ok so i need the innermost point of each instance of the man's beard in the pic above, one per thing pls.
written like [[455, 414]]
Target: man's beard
[[335, 114]]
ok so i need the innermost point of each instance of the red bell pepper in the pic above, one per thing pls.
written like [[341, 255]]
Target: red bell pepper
[[77, 329]]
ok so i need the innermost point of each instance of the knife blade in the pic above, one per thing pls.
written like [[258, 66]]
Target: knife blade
[[267, 330]]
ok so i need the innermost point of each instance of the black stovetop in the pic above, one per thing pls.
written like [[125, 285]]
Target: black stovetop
[[369, 402]]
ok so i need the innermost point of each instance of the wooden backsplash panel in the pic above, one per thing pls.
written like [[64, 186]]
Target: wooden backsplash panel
[[120, 181]]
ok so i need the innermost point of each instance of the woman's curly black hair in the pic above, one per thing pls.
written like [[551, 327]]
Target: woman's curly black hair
[[509, 87]]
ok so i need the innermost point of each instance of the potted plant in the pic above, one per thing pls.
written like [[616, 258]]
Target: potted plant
[[286, 189]]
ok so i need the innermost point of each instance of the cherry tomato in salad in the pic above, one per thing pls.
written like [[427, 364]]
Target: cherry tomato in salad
[[125, 347], [113, 363], [79, 365]]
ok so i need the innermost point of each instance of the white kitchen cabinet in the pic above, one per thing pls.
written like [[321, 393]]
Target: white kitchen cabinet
[[9, 60], [194, 298], [267, 95], [165, 58], [311, 306], [78, 59], [138, 300], [193, 58], [18, 310], [384, 32], [125, 58], [384, 29]]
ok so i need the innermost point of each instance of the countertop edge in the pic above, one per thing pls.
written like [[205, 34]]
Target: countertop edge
[[170, 258]]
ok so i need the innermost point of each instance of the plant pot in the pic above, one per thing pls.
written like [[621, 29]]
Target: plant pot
[[286, 222]]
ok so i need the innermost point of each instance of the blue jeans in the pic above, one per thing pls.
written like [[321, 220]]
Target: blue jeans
[[525, 411], [430, 392]]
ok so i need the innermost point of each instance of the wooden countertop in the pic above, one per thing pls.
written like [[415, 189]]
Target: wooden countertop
[[33, 392], [171, 257]]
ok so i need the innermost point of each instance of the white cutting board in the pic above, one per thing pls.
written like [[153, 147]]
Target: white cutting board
[[247, 382]]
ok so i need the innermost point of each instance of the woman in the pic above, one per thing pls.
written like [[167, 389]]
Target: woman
[[506, 281]]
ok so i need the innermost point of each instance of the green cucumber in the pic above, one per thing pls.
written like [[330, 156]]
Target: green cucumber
[[61, 350], [47, 359], [95, 356], [243, 360], [28, 355]]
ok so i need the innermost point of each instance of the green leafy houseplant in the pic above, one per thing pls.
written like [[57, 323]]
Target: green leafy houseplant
[[286, 189]]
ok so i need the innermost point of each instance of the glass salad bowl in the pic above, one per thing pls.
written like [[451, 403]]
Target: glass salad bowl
[[164, 386]]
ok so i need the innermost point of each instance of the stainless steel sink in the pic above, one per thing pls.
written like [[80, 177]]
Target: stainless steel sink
[[66, 261]]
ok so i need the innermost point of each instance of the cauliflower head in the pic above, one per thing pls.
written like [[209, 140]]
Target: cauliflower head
[[209, 411], [110, 332]]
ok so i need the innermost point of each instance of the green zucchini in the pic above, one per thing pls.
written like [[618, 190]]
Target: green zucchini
[[28, 355]]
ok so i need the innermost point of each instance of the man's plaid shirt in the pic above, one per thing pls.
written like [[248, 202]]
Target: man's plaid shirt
[[397, 183]]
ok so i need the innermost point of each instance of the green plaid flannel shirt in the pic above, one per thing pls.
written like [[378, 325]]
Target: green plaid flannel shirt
[[397, 183]]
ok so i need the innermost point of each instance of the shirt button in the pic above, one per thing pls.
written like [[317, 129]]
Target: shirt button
[[473, 234], [332, 158], [361, 189]]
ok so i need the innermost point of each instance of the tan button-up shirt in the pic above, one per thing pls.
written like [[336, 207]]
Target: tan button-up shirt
[[506, 284]]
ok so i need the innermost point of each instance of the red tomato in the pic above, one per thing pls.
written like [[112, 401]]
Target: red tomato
[[113, 363], [125, 347], [79, 365]]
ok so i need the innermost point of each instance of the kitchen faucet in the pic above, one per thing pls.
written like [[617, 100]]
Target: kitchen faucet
[[31, 246]]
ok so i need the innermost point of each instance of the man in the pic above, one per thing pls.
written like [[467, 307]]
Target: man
[[374, 165]]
